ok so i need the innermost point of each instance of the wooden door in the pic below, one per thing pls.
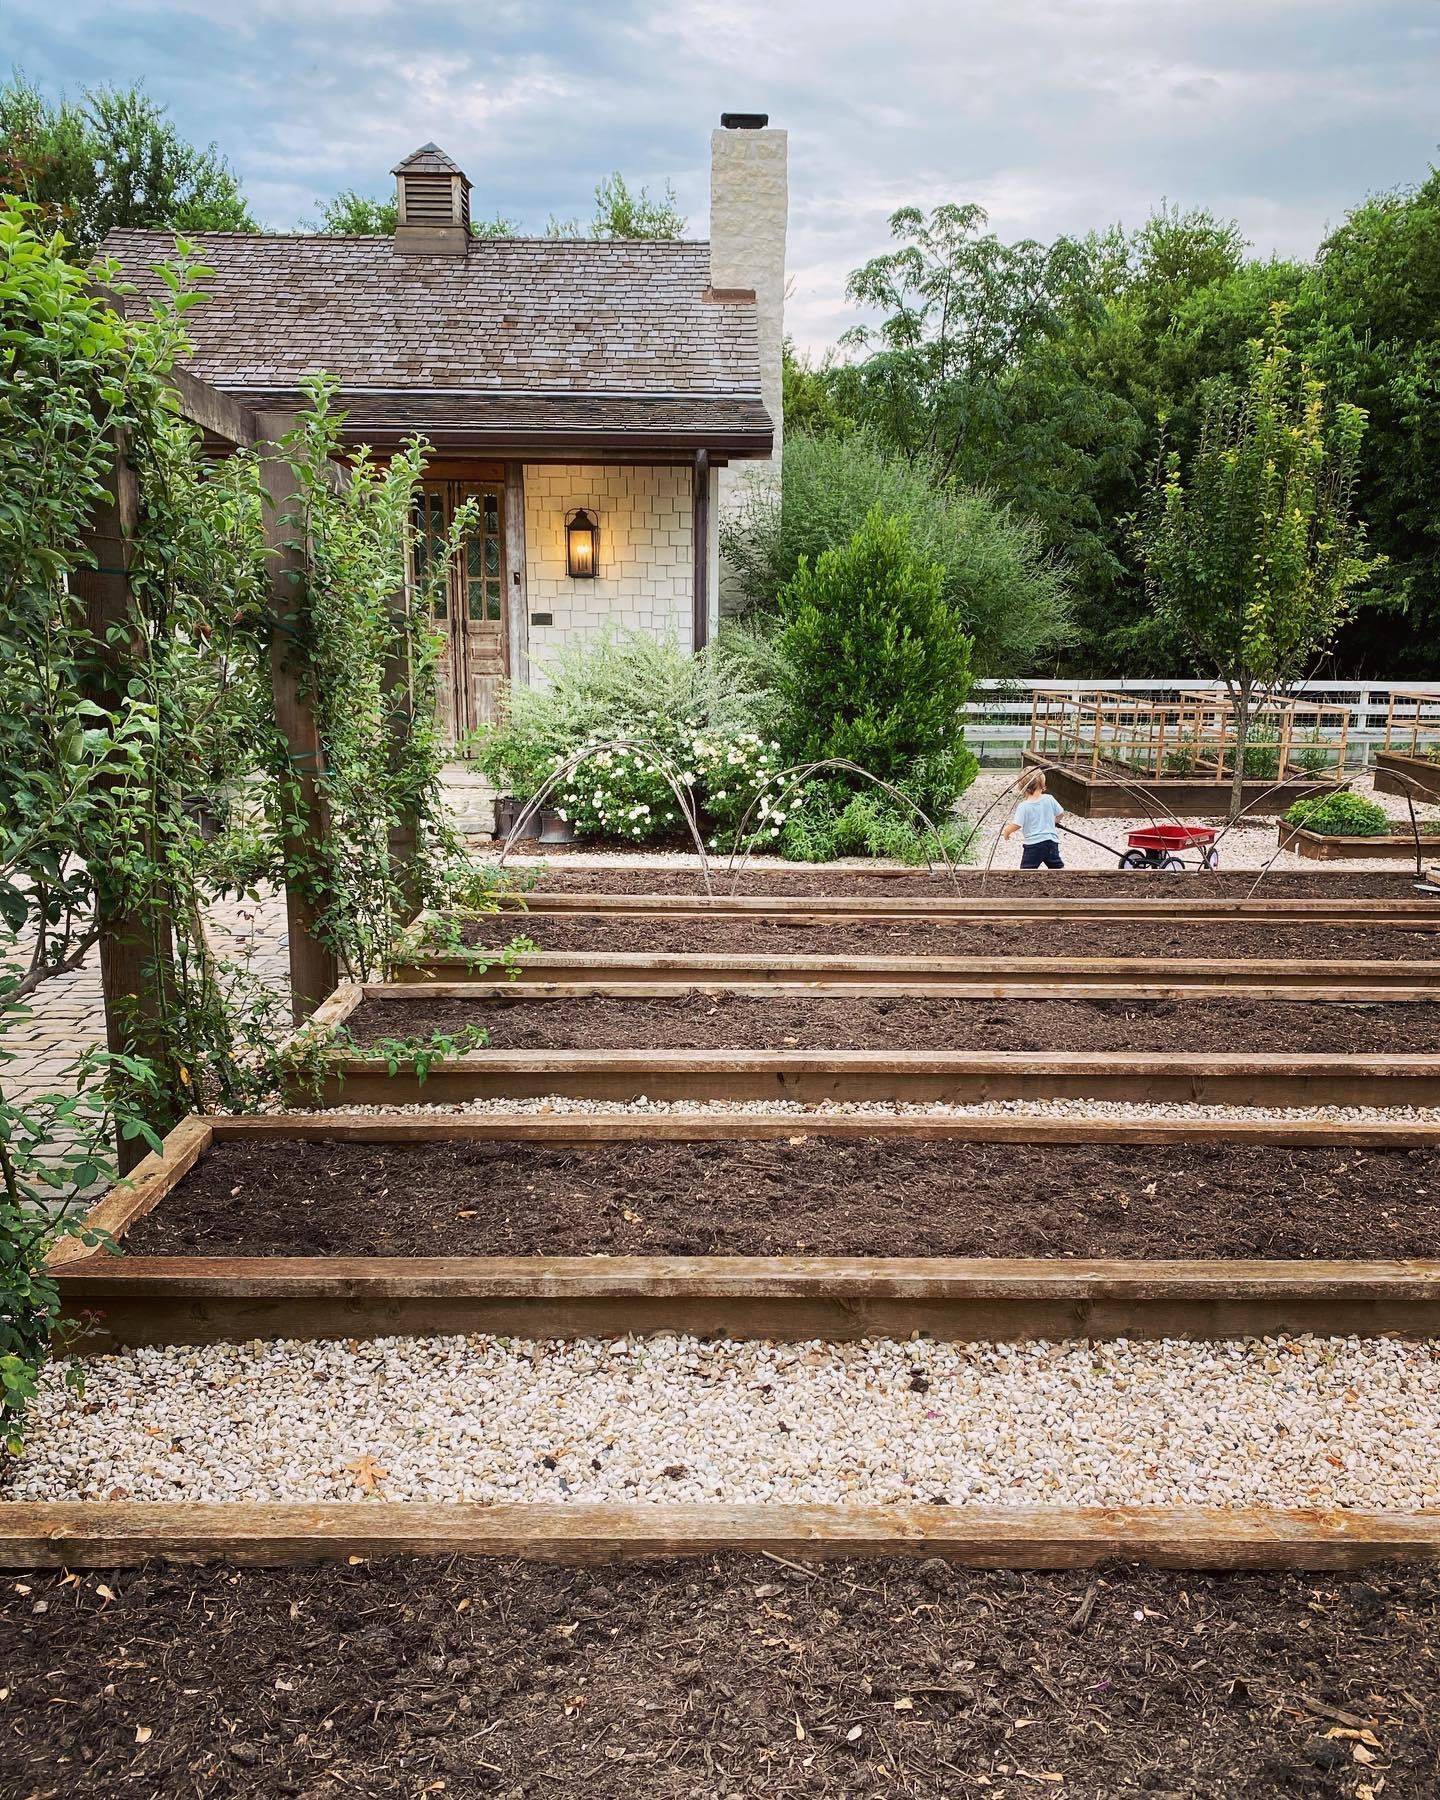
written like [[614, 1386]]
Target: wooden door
[[469, 607]]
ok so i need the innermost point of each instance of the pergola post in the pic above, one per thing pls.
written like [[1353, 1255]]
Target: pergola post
[[700, 534], [399, 689], [137, 944], [314, 972]]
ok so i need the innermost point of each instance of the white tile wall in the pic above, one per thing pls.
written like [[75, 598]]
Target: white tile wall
[[646, 574]]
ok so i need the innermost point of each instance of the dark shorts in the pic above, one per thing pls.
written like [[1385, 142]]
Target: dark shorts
[[1042, 856]]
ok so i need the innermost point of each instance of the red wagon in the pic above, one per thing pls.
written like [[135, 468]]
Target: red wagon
[[1160, 847]]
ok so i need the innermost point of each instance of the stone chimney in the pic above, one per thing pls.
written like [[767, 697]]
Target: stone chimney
[[748, 204], [432, 205]]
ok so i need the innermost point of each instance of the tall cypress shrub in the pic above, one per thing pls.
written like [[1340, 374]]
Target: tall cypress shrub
[[875, 666]]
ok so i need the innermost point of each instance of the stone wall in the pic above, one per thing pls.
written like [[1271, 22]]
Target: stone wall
[[646, 578]]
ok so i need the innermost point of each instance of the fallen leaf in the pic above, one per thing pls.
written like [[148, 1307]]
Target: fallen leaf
[[367, 1472], [104, 1592], [799, 1730], [853, 1733], [905, 1705], [143, 1734]]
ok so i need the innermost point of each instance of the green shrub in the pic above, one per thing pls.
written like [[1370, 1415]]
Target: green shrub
[[871, 823], [1340, 815], [1181, 760], [1009, 596], [1315, 759], [1262, 756], [875, 667]]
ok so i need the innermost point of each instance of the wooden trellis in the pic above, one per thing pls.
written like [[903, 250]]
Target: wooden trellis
[[137, 953], [1191, 737], [1412, 723]]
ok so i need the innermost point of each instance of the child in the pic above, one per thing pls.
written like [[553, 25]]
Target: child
[[1034, 819]]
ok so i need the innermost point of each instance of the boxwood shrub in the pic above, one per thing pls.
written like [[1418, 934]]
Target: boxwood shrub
[[1340, 815]]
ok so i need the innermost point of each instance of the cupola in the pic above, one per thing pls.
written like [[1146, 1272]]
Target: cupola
[[432, 205]]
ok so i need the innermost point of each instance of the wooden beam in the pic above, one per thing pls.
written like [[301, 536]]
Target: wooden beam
[[517, 600], [137, 947], [313, 967], [700, 535], [123, 1534], [217, 414]]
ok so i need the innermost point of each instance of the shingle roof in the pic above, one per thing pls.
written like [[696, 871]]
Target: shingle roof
[[429, 159], [515, 316]]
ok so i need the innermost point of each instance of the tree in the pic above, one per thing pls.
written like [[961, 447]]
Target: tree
[[1253, 550], [622, 214], [959, 309], [1004, 590], [874, 665], [353, 214], [113, 160]]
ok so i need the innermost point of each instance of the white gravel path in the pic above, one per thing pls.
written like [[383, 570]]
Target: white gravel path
[[568, 1106], [1343, 1422]]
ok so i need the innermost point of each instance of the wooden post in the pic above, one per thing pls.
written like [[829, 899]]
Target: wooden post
[[314, 972], [700, 534], [400, 710], [137, 947]]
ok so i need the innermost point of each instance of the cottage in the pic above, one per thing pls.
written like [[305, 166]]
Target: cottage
[[593, 397]]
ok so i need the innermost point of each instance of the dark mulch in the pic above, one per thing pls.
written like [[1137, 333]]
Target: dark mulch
[[718, 1677], [820, 1196], [923, 937], [691, 1021], [974, 883]]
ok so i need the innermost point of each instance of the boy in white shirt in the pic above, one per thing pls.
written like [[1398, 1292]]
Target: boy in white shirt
[[1034, 819]]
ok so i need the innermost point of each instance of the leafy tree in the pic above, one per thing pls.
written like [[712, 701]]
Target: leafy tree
[[110, 161], [1003, 590], [353, 214], [1253, 549], [874, 664], [1370, 322], [619, 213], [958, 309]]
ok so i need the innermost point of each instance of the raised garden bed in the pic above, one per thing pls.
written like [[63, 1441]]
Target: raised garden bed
[[1114, 794], [1249, 1077], [1391, 846], [1415, 776], [719, 1226], [692, 1019], [972, 885], [779, 935], [403, 1661]]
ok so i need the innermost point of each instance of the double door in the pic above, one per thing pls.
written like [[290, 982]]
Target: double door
[[470, 605]]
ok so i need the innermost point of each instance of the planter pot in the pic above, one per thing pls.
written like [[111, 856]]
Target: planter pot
[[546, 825], [1392, 846]]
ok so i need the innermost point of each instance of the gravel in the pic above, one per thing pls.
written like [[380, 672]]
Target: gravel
[[1305, 1421], [543, 1106]]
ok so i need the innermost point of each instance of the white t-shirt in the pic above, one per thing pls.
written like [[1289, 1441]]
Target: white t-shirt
[[1036, 819]]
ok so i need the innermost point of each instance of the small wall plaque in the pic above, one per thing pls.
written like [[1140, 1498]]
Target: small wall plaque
[[542, 618]]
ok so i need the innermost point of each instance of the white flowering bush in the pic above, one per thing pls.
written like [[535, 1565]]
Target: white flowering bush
[[620, 793], [733, 770]]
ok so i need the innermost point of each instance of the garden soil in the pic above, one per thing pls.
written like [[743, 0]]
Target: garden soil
[[604, 934], [729, 1021], [716, 1678], [812, 1196]]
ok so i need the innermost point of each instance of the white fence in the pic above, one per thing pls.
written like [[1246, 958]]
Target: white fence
[[997, 723]]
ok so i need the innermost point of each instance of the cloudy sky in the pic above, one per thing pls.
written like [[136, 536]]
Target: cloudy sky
[[1057, 115]]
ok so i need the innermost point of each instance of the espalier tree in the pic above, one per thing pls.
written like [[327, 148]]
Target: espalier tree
[[1252, 548]]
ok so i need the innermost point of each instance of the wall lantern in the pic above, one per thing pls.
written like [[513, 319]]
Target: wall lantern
[[582, 544]]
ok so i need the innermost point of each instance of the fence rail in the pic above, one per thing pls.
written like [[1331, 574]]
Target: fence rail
[[997, 723]]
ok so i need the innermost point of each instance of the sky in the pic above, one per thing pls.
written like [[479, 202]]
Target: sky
[[1056, 115]]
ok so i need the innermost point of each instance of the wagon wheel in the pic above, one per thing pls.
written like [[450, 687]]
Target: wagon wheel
[[1211, 859], [1133, 859], [1175, 863]]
